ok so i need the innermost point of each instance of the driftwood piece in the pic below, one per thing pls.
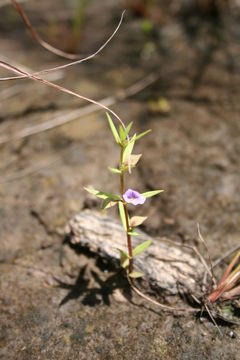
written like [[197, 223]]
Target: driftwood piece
[[164, 265]]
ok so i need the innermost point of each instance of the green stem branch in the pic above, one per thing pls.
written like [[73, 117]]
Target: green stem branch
[[129, 240]]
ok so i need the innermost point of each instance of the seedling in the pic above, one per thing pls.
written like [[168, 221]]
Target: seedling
[[220, 301], [127, 162], [223, 292]]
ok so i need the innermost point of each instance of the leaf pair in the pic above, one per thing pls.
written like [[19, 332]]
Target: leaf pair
[[109, 199], [123, 133], [124, 257], [121, 137]]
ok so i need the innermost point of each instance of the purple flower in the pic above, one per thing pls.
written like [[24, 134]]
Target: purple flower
[[133, 197]]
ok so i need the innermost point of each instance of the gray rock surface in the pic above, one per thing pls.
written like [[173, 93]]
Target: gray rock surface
[[166, 266]]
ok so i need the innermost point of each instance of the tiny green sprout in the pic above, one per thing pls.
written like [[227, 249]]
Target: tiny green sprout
[[128, 160]]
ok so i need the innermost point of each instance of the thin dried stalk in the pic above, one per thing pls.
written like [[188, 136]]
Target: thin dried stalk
[[16, 70], [79, 61], [65, 118], [47, 46]]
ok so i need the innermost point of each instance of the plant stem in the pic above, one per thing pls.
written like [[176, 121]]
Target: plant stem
[[129, 240]]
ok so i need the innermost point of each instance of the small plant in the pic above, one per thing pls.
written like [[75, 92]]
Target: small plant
[[220, 302], [228, 287], [127, 162], [218, 299]]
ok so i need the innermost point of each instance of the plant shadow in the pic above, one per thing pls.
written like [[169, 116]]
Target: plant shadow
[[92, 285]]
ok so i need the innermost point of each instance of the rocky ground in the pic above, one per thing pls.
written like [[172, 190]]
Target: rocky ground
[[56, 303]]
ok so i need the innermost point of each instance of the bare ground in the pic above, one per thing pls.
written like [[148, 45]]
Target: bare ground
[[192, 153]]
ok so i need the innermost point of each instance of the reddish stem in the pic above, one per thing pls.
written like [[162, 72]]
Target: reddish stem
[[129, 240]]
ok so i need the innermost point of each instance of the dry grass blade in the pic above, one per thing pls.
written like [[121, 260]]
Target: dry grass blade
[[226, 286], [43, 43], [157, 303], [65, 118], [16, 70], [210, 271], [79, 61], [225, 255], [229, 280], [230, 267], [231, 294], [212, 318]]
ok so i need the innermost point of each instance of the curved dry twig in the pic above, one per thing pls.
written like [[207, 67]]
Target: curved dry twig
[[43, 43], [79, 61], [65, 118], [157, 303], [16, 70]]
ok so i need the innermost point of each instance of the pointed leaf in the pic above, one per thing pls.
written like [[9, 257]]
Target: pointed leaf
[[230, 267], [149, 194], [128, 128], [230, 295], [103, 195], [111, 204], [143, 134], [141, 247], [122, 133], [96, 193], [114, 170], [133, 159], [124, 258], [137, 220], [125, 263], [122, 215], [135, 274], [129, 148], [123, 253], [108, 203], [114, 130], [133, 233]]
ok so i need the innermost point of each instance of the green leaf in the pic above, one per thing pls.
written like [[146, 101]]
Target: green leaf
[[137, 220], [123, 253], [103, 195], [122, 215], [149, 194], [129, 148], [141, 247], [143, 134], [122, 133], [133, 233], [114, 130], [124, 258], [108, 203], [128, 128], [114, 170], [125, 263], [135, 274]]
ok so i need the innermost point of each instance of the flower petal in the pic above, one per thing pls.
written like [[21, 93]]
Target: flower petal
[[133, 197]]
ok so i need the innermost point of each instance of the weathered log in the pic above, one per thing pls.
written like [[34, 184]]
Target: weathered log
[[164, 264]]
